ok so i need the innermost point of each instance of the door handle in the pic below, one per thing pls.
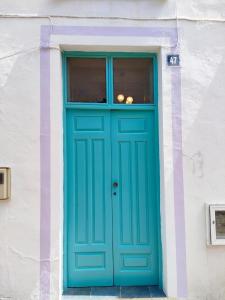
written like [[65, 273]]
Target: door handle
[[115, 184]]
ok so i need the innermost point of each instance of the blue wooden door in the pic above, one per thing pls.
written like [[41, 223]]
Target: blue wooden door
[[89, 206], [135, 251], [111, 187]]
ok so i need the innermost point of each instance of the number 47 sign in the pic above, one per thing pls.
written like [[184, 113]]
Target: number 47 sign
[[173, 60]]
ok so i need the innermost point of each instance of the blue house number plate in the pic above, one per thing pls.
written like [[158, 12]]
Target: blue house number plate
[[173, 60]]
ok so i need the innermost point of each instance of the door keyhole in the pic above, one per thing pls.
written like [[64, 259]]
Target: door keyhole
[[115, 184]]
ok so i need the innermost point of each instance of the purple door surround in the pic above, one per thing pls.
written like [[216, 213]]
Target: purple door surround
[[45, 139]]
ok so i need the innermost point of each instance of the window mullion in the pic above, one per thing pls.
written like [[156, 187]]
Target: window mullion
[[109, 71]]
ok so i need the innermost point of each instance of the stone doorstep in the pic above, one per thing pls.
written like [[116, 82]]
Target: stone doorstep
[[110, 298], [125, 292]]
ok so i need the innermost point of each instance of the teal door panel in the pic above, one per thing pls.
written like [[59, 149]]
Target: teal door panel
[[111, 198], [89, 199], [135, 248]]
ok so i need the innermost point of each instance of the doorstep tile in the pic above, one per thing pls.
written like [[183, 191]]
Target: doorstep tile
[[135, 292], [104, 297], [156, 292], [86, 291], [105, 291], [77, 297], [150, 298]]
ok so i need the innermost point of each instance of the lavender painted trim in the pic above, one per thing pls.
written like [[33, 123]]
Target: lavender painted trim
[[45, 166], [178, 183], [116, 31]]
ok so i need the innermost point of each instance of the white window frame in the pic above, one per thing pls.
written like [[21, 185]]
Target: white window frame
[[212, 214]]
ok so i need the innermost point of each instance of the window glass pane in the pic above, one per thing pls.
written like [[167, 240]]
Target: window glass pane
[[133, 80], [87, 80], [220, 224]]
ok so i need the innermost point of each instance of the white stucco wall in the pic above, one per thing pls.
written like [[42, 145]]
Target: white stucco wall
[[202, 48]]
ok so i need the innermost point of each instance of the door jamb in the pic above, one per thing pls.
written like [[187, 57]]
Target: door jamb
[[154, 107]]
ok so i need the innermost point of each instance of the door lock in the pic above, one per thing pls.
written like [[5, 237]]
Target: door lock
[[115, 184]]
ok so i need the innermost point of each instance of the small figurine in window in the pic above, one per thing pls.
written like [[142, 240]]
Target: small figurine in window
[[129, 100], [120, 98], [103, 100]]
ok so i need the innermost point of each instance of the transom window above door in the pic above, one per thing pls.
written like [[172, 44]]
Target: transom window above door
[[133, 80], [110, 79], [87, 79]]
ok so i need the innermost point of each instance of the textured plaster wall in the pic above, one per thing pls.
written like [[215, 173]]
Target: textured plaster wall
[[19, 144], [203, 95], [98, 8], [118, 8], [202, 45]]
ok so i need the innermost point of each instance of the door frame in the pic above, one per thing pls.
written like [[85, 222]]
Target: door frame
[[69, 106]]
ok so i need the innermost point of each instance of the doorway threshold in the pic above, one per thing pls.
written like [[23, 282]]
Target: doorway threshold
[[115, 292]]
